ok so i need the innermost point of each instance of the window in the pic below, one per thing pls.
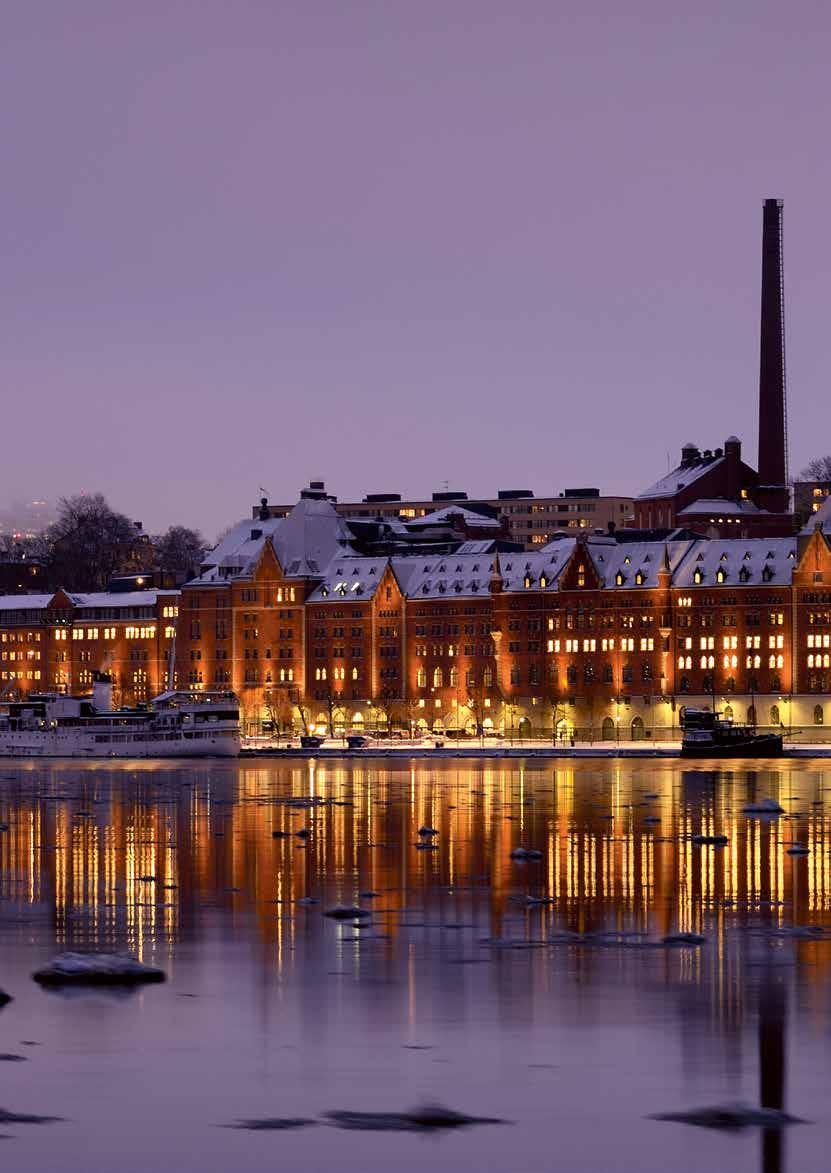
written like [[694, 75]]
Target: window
[[421, 677], [774, 715], [818, 715], [438, 678]]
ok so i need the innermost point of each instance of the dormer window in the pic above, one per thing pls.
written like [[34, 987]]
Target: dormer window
[[639, 578], [581, 575], [721, 574], [619, 579], [528, 581], [627, 560], [698, 576], [543, 581], [744, 574]]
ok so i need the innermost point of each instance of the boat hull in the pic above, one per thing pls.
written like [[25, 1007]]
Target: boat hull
[[21, 746], [757, 747]]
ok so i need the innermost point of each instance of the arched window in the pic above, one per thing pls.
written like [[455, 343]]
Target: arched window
[[454, 677], [421, 677], [354, 673], [638, 730], [774, 715], [728, 712], [438, 678], [607, 732], [819, 718]]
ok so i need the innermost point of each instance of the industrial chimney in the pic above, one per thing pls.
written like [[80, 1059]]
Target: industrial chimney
[[773, 437]]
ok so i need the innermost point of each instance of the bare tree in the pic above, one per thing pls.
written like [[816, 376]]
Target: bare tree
[[334, 706], [304, 714], [179, 552], [90, 543], [388, 706], [818, 469]]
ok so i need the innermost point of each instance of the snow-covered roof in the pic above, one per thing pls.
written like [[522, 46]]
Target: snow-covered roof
[[118, 598], [735, 562], [25, 602], [482, 546], [636, 564], [443, 516], [821, 517], [719, 507], [351, 578], [444, 575], [305, 542], [541, 569], [680, 478]]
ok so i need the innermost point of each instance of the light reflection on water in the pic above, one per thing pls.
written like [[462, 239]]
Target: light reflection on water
[[272, 1010]]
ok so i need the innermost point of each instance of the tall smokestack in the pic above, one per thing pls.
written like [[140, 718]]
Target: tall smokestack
[[773, 437]]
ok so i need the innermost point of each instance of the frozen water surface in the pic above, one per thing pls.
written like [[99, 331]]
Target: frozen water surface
[[541, 992]]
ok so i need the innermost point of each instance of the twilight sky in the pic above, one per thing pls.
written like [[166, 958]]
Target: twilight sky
[[253, 242]]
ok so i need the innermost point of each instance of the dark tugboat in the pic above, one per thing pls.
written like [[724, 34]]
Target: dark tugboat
[[707, 735]]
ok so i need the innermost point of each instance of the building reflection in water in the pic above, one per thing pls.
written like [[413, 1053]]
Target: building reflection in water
[[148, 859]]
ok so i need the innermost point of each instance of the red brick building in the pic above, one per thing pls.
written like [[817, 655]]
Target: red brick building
[[597, 634], [54, 643]]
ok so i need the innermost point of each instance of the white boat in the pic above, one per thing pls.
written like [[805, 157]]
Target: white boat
[[174, 725]]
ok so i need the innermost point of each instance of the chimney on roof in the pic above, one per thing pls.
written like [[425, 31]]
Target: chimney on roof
[[263, 510], [689, 455], [773, 437], [732, 463]]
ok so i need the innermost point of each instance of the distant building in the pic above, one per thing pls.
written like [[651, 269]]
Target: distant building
[[20, 572], [808, 498], [528, 520]]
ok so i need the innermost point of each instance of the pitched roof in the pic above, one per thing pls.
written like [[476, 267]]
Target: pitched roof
[[721, 507], [637, 564], [350, 577], [680, 478], [444, 575], [305, 541], [732, 562], [821, 517]]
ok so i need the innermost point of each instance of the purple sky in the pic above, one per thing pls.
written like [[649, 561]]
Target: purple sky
[[504, 245]]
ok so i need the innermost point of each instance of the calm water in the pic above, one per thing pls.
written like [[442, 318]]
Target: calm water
[[272, 1010]]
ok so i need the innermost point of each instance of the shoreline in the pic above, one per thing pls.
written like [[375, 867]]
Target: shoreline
[[669, 750]]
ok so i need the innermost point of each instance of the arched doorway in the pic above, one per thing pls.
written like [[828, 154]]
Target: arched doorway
[[562, 729], [819, 717], [751, 714], [638, 730], [728, 713], [524, 727], [774, 715], [607, 729]]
